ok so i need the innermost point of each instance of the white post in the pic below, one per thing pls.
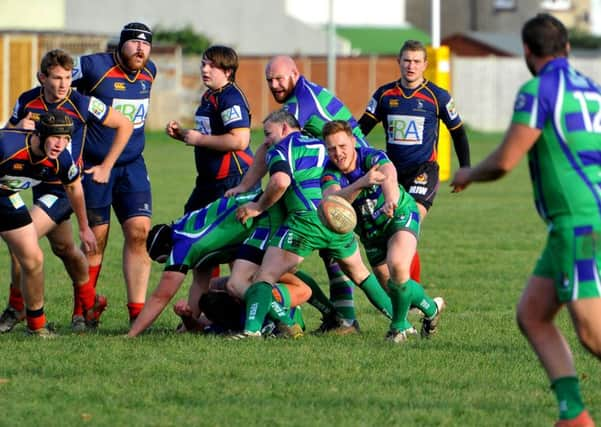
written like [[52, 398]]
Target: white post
[[5, 78], [331, 48], [435, 21]]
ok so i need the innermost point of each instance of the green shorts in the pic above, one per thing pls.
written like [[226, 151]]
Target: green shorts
[[265, 226], [302, 233], [406, 218], [572, 258]]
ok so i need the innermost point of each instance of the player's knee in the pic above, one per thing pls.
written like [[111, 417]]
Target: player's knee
[[590, 338], [136, 233], [33, 262], [235, 289], [399, 272], [524, 319], [303, 293], [64, 249]]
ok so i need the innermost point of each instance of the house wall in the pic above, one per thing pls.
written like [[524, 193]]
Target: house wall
[[459, 16]]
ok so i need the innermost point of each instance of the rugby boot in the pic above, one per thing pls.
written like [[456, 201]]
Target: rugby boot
[[45, 332], [582, 420], [396, 336], [10, 318], [92, 315], [429, 325], [78, 324], [293, 331]]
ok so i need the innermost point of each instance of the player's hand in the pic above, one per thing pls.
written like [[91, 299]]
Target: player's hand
[[373, 177], [461, 180], [192, 137], [174, 130], [88, 240], [182, 308], [248, 211], [27, 122], [233, 191], [99, 174], [388, 208]]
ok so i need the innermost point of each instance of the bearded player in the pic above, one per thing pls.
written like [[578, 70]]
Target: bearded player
[[121, 79]]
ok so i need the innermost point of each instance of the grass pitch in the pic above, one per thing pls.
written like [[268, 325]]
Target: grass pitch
[[477, 249]]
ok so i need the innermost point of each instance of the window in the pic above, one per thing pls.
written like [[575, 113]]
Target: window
[[556, 5], [505, 4]]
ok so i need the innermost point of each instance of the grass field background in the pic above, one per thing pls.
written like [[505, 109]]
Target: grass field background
[[477, 249]]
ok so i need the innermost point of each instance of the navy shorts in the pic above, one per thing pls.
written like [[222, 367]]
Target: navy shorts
[[128, 192], [13, 212], [421, 182], [52, 199], [206, 192]]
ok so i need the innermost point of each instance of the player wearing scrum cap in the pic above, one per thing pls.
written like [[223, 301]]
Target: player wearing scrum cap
[[26, 159], [121, 79], [51, 211]]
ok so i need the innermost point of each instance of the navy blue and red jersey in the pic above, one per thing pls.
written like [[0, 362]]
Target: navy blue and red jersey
[[410, 118], [100, 75], [219, 112], [82, 110], [21, 169]]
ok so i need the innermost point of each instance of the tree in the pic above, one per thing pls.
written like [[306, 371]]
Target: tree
[[583, 40], [190, 41]]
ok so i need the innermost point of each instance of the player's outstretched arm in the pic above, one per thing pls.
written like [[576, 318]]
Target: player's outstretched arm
[[518, 140], [164, 292]]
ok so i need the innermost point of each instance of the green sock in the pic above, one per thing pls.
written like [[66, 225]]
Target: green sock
[[420, 299], [318, 299], [400, 297], [258, 301], [341, 292], [279, 309], [567, 392], [377, 295], [279, 313]]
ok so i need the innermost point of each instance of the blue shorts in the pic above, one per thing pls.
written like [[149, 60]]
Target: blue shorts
[[206, 192], [52, 199], [128, 192], [13, 212]]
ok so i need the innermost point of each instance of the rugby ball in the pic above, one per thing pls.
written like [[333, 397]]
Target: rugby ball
[[337, 214]]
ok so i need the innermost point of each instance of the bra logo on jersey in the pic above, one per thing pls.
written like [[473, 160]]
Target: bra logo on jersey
[[17, 183], [405, 130], [73, 172], [451, 109], [203, 124], [134, 109], [120, 86], [232, 114], [97, 107], [371, 105]]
